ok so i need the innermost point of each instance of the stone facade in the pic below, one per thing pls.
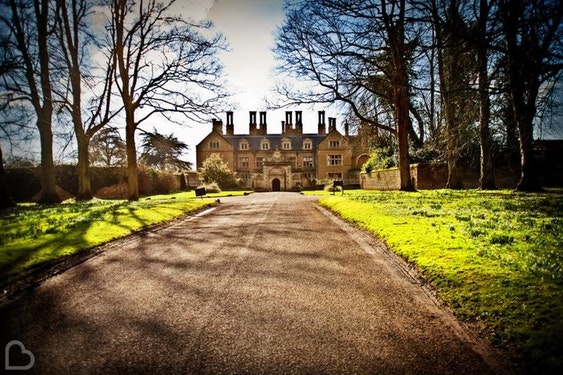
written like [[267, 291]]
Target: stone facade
[[288, 161]]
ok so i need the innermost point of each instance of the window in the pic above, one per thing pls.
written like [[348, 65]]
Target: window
[[335, 176], [286, 145], [243, 145], [292, 160], [334, 144], [307, 145], [243, 162], [334, 160], [259, 162], [265, 145], [307, 161], [214, 144]]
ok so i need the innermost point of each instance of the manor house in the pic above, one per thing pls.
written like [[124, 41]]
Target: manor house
[[290, 160]]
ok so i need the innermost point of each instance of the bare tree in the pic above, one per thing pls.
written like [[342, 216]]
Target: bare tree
[[481, 44], [162, 62], [6, 200], [87, 93], [354, 52], [533, 36], [457, 70], [29, 26]]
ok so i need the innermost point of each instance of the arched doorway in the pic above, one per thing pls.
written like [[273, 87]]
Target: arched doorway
[[276, 184]]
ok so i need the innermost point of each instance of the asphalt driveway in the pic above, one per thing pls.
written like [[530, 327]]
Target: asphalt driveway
[[267, 283]]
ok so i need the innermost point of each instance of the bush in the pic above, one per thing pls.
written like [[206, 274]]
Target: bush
[[211, 187], [153, 181], [214, 169], [381, 158], [117, 191]]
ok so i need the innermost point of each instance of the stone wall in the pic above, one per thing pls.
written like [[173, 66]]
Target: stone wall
[[432, 176]]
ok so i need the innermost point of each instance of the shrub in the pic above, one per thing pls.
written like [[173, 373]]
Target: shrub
[[165, 182], [211, 187], [117, 191], [214, 169], [381, 158]]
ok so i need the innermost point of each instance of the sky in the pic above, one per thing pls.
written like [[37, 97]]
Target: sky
[[249, 27]]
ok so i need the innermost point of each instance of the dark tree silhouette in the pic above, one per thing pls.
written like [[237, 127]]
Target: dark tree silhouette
[[163, 152], [352, 51], [107, 148], [88, 104], [533, 36], [30, 29]]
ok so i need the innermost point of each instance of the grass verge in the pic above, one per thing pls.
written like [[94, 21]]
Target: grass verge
[[495, 258], [33, 235]]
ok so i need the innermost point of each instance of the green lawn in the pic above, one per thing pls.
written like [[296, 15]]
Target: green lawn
[[495, 258], [32, 235]]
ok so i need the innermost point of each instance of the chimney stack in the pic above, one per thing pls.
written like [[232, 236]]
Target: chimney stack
[[331, 124], [230, 124], [288, 120], [263, 124], [252, 122], [322, 125], [346, 129], [299, 122], [218, 126]]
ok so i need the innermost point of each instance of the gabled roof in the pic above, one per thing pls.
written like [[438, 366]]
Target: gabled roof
[[275, 140], [213, 134]]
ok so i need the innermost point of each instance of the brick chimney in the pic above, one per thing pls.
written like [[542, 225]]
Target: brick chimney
[[263, 124], [252, 122], [218, 126], [331, 124], [288, 121], [230, 124], [299, 122], [322, 125], [346, 129]]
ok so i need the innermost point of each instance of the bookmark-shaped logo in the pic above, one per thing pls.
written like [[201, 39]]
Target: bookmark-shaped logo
[[23, 352]]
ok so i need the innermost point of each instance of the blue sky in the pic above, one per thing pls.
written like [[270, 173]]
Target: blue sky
[[249, 27]]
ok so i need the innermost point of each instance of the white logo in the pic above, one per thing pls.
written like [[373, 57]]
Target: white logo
[[23, 350]]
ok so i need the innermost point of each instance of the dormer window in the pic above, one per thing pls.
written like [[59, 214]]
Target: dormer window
[[286, 145], [265, 145], [243, 145], [307, 145]]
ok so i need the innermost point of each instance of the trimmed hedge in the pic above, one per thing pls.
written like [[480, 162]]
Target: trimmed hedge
[[24, 183]]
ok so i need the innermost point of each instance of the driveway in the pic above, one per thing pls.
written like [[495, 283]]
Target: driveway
[[268, 283]]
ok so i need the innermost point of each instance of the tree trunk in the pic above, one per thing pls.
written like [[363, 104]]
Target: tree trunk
[[454, 174], [528, 178], [5, 200], [452, 139], [487, 177], [83, 168], [48, 181], [45, 114], [524, 107], [132, 177], [400, 83], [403, 125]]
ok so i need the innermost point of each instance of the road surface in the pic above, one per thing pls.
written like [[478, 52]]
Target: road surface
[[268, 283]]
